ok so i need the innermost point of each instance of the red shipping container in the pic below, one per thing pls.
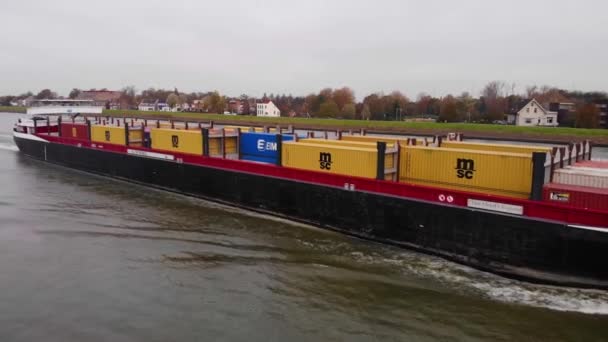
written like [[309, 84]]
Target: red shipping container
[[74, 130], [576, 196]]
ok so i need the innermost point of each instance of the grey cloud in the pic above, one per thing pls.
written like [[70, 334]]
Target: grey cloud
[[301, 46]]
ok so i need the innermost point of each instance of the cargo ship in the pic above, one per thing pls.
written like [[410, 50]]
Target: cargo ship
[[533, 213]]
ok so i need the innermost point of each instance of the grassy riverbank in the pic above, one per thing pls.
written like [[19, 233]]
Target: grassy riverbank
[[483, 131], [388, 126], [12, 109]]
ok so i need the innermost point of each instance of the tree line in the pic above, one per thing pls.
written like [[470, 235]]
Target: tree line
[[494, 101]]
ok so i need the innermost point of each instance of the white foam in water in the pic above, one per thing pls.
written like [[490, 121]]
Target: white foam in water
[[561, 299], [495, 287], [8, 147]]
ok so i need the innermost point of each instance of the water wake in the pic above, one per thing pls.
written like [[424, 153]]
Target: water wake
[[506, 290], [8, 147]]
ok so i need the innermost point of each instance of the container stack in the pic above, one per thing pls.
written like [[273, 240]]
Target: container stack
[[583, 185], [498, 173], [262, 147], [218, 142], [74, 130], [495, 147], [368, 160], [117, 134]]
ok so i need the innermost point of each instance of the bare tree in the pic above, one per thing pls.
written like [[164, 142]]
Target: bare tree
[[493, 97], [531, 91]]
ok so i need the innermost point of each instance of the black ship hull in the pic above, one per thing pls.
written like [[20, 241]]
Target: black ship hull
[[511, 245]]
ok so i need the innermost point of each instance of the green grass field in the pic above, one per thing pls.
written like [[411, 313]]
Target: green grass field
[[373, 125], [423, 127], [12, 109]]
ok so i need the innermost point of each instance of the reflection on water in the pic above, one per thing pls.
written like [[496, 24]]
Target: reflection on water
[[90, 258]]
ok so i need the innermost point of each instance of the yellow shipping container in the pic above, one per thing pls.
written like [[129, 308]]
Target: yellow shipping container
[[350, 161], [177, 140], [371, 139], [245, 129], [215, 145], [108, 134], [527, 149], [362, 144], [388, 140], [508, 174], [135, 136]]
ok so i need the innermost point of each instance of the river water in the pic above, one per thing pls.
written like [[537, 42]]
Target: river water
[[87, 258]]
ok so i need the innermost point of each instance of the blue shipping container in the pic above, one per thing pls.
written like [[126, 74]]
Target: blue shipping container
[[260, 147]]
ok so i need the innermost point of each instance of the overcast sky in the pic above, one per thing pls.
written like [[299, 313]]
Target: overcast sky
[[299, 47]]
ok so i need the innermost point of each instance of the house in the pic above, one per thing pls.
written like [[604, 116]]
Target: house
[[532, 113], [110, 99], [602, 112], [146, 106], [267, 108], [154, 106], [235, 106], [26, 102], [163, 106], [566, 112]]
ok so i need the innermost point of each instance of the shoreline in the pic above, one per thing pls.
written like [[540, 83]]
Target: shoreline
[[599, 137]]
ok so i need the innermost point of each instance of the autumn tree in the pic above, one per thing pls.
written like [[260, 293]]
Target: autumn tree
[[215, 103], [449, 110], [74, 93], [172, 100], [328, 109], [6, 100], [151, 95], [467, 107], [587, 116], [395, 104], [46, 94], [348, 111], [127, 97], [343, 96], [546, 94], [494, 102], [422, 103], [375, 106], [366, 113]]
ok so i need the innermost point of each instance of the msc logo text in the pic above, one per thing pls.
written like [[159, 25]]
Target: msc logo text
[[325, 161], [465, 168]]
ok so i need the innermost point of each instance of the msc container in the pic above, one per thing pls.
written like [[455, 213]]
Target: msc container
[[342, 160], [507, 174], [576, 196], [595, 179], [528, 149], [260, 147], [333, 142], [388, 140], [177, 140], [74, 130], [372, 139]]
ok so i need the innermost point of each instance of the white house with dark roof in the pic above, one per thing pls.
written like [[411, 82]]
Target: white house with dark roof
[[533, 113]]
